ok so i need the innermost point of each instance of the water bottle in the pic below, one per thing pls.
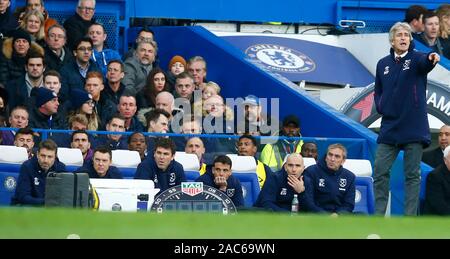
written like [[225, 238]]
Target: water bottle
[[294, 205]]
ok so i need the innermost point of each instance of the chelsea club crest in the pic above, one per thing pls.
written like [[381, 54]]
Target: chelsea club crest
[[281, 59]]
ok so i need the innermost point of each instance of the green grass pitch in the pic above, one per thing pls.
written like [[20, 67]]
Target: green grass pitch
[[59, 223]]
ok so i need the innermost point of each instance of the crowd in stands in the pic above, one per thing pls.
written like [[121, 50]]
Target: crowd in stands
[[55, 76]]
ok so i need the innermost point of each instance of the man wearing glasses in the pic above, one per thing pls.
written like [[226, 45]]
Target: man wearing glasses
[[56, 52], [77, 25], [74, 73]]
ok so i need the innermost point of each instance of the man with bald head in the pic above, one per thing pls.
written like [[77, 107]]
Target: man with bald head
[[280, 187], [434, 157], [165, 101]]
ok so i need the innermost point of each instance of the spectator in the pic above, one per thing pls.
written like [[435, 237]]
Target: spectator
[[309, 149], [39, 6], [157, 122], [76, 122], [211, 88], [80, 140], [100, 165], [273, 154], [414, 17], [21, 89], [30, 188], [127, 108], [161, 167], [52, 81], [24, 138], [156, 83], [74, 73], [255, 121], [139, 66], [248, 146], [114, 87], [114, 141], [330, 188], [144, 35], [104, 107], [403, 109], [33, 23], [279, 189], [437, 195], [138, 142], [57, 54], [430, 37], [15, 50], [7, 20], [45, 113], [165, 101], [434, 157], [197, 68], [184, 87], [177, 65], [77, 25], [195, 146], [220, 177], [101, 55], [82, 103], [17, 119], [443, 12], [4, 110]]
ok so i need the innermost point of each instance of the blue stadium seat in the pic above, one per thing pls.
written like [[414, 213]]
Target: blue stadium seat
[[9, 173], [364, 197], [191, 175], [250, 187], [8, 181]]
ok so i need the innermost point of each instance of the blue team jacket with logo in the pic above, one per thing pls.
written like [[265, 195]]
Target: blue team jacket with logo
[[31, 183], [234, 187], [172, 176], [400, 97], [329, 191], [277, 194]]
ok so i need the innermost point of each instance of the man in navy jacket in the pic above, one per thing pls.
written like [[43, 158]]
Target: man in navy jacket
[[100, 165], [33, 173], [400, 98], [219, 176], [161, 167], [330, 188], [280, 187]]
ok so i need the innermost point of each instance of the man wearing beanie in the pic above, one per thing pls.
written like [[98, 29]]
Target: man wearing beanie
[[44, 115], [15, 50]]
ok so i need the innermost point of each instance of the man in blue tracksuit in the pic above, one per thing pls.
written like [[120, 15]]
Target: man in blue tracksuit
[[30, 188], [330, 188], [219, 176], [161, 167], [280, 187], [400, 98], [100, 165]]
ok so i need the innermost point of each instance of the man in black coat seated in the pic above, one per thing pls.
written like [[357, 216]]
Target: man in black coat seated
[[434, 157]]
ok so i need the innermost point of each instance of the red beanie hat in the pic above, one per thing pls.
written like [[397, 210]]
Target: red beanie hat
[[177, 59]]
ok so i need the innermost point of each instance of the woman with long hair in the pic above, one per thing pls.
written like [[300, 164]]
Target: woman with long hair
[[156, 83], [33, 23], [82, 103]]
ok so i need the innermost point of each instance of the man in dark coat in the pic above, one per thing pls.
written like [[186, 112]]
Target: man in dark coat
[[437, 195], [400, 98], [435, 156], [77, 25], [33, 173]]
